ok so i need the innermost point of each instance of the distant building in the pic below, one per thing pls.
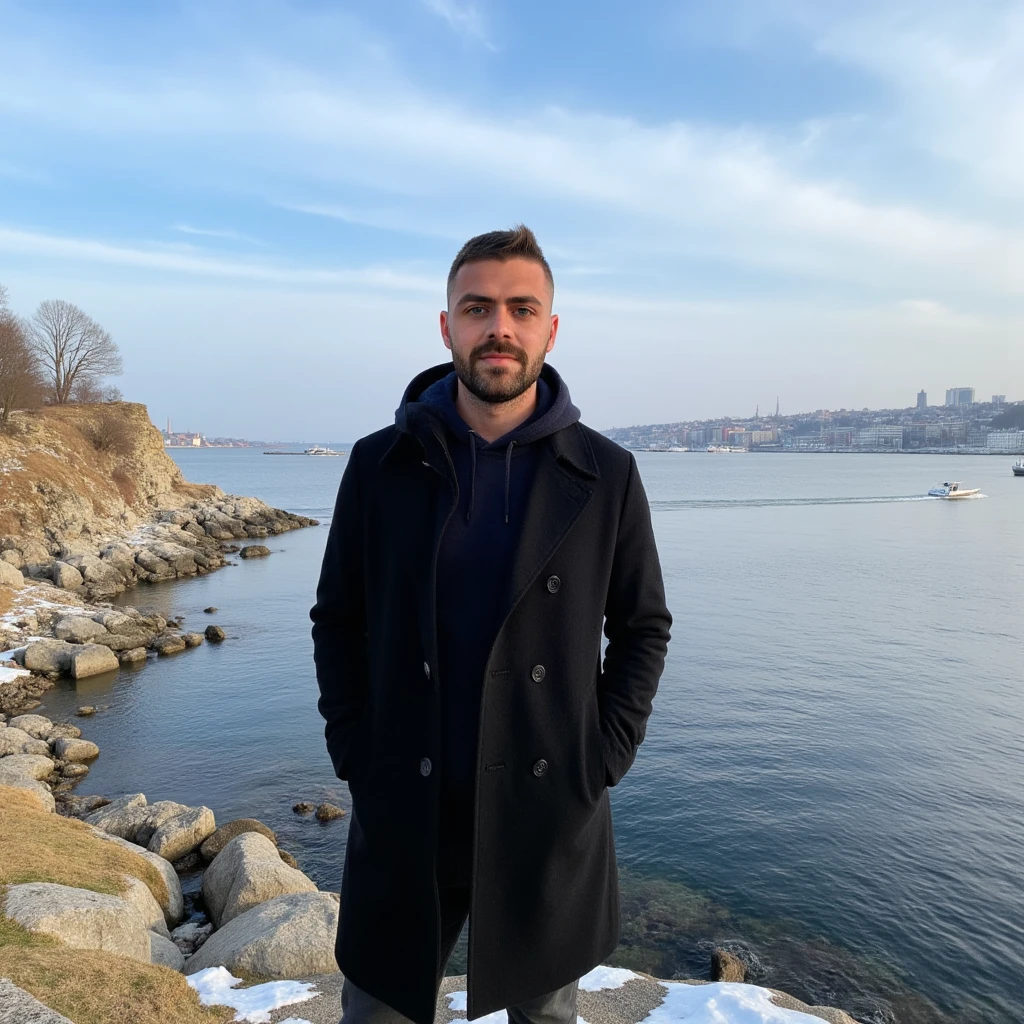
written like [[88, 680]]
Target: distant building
[[999, 399], [922, 399], [1005, 441], [880, 437], [959, 397]]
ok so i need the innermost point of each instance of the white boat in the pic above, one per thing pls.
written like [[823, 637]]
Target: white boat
[[954, 489], [1018, 468], [725, 449], [318, 450]]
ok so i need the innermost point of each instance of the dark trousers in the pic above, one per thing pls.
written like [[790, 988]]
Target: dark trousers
[[359, 1007]]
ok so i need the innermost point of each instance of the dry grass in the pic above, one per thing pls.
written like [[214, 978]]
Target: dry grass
[[87, 986], [6, 599], [36, 846], [125, 485], [90, 987]]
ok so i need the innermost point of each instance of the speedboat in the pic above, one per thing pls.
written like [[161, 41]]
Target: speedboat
[[319, 450], [1018, 468], [954, 489]]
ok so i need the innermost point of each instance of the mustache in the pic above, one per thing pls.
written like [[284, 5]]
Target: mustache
[[499, 348]]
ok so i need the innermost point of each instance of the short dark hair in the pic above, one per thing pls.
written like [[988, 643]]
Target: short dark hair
[[518, 243]]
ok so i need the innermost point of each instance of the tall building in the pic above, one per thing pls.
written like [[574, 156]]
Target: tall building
[[959, 396], [922, 399], [999, 399]]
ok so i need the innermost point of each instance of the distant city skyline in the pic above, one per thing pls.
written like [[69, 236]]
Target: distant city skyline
[[739, 200]]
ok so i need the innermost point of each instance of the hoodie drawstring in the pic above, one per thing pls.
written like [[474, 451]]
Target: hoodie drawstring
[[508, 473], [472, 479]]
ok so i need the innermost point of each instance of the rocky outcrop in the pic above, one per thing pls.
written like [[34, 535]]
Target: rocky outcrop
[[183, 833], [18, 1007], [231, 830], [287, 937], [247, 872], [164, 952], [79, 918], [174, 907]]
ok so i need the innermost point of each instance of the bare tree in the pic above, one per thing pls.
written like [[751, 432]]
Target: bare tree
[[75, 352], [21, 385]]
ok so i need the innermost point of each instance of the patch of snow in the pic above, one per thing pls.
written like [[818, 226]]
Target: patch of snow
[[9, 675], [457, 1002], [606, 977], [216, 986], [191, 930], [295, 1020], [722, 1002]]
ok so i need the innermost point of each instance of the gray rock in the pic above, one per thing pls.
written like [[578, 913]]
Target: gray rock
[[18, 1007], [190, 936], [79, 918], [192, 639], [11, 577], [78, 629], [133, 656], [211, 610], [165, 953], [24, 766], [48, 656], [328, 812], [157, 813], [85, 710], [168, 644], [190, 862], [726, 966], [42, 796], [114, 621], [287, 937], [153, 563], [174, 908], [65, 730], [121, 817], [37, 726], [230, 830], [123, 641], [183, 833], [92, 660], [254, 551], [215, 634], [17, 741], [139, 895], [247, 872], [75, 750], [74, 771], [66, 576]]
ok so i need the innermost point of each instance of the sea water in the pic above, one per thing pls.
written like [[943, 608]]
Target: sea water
[[831, 783]]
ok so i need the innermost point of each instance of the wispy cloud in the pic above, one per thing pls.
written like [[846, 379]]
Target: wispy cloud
[[225, 233], [86, 250], [465, 19]]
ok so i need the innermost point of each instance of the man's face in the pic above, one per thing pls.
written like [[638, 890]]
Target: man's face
[[499, 327]]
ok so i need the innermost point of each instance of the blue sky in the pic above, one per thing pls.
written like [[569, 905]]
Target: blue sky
[[740, 199]]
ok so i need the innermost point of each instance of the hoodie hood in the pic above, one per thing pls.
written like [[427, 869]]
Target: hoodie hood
[[430, 398]]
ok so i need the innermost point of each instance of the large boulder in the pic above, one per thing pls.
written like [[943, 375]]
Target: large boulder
[[24, 766], [18, 1007], [165, 953], [288, 937], [174, 906], [11, 577], [17, 741], [75, 750], [92, 660], [169, 644], [37, 726], [254, 551], [78, 629], [114, 621], [183, 833], [157, 813], [121, 817], [49, 656], [230, 830], [140, 896], [247, 872], [79, 918], [66, 576]]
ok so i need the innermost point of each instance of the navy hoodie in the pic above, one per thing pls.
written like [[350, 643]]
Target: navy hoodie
[[474, 573]]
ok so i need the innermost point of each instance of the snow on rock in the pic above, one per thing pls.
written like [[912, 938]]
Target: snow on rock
[[722, 1002], [9, 675], [606, 977], [216, 987]]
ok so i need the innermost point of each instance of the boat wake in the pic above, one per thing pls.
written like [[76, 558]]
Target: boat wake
[[693, 503]]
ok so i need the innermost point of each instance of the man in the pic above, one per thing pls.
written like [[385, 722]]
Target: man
[[478, 547]]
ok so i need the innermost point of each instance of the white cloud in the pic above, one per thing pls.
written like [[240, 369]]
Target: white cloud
[[225, 233], [464, 19]]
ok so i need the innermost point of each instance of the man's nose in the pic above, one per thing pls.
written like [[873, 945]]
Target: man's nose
[[501, 323]]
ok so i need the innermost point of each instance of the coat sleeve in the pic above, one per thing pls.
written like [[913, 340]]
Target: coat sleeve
[[637, 623], [339, 622]]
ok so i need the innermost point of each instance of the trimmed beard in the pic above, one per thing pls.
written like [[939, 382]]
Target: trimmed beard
[[502, 386]]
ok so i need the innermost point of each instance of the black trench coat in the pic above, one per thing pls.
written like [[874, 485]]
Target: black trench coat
[[558, 724]]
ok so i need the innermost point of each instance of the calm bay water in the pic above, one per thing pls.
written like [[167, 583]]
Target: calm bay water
[[833, 777]]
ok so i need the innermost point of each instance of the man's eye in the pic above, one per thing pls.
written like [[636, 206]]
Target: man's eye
[[524, 311], [476, 309]]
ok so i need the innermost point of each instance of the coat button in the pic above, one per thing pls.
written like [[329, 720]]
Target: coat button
[[554, 583], [425, 767], [538, 673], [540, 768], [426, 669]]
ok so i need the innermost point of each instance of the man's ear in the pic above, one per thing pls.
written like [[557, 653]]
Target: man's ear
[[446, 335]]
